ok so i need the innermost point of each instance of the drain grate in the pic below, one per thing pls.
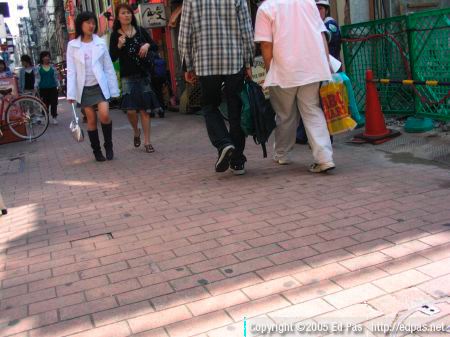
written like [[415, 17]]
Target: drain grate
[[13, 165], [434, 147]]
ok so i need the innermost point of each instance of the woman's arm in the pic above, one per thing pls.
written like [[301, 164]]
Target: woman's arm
[[56, 77], [71, 76], [114, 50], [37, 77], [147, 39]]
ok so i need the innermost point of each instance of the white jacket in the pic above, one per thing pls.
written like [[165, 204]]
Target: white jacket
[[101, 66]]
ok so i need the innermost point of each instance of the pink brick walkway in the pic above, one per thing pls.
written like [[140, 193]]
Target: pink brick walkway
[[160, 245]]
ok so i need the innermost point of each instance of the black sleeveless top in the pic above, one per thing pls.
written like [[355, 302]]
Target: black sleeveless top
[[29, 81]]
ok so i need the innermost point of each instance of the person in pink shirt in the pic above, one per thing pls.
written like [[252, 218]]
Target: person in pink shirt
[[296, 57]]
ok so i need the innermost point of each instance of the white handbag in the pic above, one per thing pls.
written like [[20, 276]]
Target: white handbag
[[75, 128]]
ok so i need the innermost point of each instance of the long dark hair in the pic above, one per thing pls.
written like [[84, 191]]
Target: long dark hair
[[82, 17], [116, 24]]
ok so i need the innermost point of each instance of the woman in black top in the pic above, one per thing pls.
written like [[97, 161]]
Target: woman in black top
[[132, 45], [26, 75]]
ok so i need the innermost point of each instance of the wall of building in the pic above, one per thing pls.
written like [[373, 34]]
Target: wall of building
[[365, 10], [49, 28], [400, 7], [37, 21]]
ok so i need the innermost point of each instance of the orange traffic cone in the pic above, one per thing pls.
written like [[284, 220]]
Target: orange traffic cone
[[376, 131]]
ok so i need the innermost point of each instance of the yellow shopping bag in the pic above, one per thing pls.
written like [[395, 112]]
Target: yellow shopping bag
[[335, 106]]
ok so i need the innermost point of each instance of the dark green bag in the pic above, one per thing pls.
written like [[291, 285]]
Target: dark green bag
[[258, 116], [247, 124]]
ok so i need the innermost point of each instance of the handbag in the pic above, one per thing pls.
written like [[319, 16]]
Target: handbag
[[75, 129], [147, 63], [334, 97]]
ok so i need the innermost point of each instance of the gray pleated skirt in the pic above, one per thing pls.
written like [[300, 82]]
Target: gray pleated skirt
[[91, 96]]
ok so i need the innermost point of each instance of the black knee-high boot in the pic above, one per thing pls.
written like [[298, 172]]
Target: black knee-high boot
[[95, 144], [107, 135]]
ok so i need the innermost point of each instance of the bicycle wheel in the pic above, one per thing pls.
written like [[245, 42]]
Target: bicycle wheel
[[27, 117]]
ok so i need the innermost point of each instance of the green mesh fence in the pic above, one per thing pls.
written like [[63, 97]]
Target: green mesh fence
[[414, 46], [430, 59]]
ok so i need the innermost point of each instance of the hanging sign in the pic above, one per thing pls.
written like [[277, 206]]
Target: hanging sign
[[153, 15]]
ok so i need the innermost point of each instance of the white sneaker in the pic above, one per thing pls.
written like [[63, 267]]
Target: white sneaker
[[283, 161], [54, 121], [322, 168]]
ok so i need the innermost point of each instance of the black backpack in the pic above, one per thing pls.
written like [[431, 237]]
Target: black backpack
[[262, 113]]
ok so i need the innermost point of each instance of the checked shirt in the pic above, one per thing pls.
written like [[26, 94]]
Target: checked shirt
[[216, 36]]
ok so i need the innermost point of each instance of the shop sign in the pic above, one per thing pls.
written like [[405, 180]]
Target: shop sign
[[153, 15], [69, 9]]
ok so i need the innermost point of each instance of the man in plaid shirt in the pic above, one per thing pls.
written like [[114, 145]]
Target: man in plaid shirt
[[216, 44]]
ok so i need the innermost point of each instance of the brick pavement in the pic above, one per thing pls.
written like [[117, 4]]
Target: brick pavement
[[161, 245]]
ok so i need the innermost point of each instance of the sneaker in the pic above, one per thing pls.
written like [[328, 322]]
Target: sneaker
[[238, 168], [283, 161], [54, 121], [322, 168], [223, 162]]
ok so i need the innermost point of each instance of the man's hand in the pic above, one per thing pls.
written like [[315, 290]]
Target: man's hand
[[248, 73], [190, 77], [175, 16], [71, 101]]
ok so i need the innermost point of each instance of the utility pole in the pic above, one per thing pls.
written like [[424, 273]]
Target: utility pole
[[30, 48]]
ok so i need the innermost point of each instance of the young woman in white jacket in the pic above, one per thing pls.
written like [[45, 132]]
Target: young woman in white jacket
[[91, 80]]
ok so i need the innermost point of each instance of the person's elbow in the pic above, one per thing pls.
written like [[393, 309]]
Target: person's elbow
[[266, 46]]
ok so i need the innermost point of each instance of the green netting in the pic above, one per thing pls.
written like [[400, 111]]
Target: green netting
[[430, 56], [402, 47]]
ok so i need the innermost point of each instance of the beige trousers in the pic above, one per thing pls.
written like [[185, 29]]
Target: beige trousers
[[291, 103]]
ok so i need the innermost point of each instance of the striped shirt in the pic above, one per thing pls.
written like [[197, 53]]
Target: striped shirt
[[216, 36]]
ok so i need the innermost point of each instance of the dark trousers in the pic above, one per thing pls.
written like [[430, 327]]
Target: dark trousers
[[215, 124], [50, 98]]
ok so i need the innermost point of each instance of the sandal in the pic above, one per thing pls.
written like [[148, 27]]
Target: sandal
[[149, 148], [137, 140]]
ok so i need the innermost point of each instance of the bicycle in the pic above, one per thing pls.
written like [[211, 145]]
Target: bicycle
[[26, 116]]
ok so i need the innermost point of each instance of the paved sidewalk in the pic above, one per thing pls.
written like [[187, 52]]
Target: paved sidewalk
[[160, 245]]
